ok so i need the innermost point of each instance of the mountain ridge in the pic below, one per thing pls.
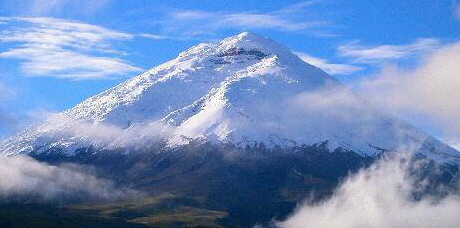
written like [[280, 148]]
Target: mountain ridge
[[241, 90]]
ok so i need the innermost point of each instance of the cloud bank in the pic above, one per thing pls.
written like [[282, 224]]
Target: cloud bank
[[379, 197], [22, 176], [108, 136], [430, 90], [63, 132]]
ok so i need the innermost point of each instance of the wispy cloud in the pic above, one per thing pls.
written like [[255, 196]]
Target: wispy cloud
[[331, 68], [381, 53], [152, 36], [296, 7], [65, 131], [110, 136], [242, 20], [51, 7], [196, 22], [65, 49]]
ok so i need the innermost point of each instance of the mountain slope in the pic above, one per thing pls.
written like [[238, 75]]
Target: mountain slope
[[243, 90]]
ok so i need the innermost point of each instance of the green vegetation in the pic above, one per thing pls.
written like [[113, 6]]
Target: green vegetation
[[165, 210]]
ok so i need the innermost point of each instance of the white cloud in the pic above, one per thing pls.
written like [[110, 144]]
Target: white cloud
[[379, 197], [49, 7], [339, 115], [152, 36], [298, 7], [66, 49], [58, 62], [290, 18], [381, 53], [215, 21], [139, 136], [69, 132], [24, 176], [430, 90], [331, 68]]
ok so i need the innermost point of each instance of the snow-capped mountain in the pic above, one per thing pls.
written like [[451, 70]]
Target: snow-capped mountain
[[243, 90]]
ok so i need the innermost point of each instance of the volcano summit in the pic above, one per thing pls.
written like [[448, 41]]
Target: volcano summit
[[245, 90]]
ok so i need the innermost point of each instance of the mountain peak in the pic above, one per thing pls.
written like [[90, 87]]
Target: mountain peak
[[240, 90], [248, 36], [250, 41]]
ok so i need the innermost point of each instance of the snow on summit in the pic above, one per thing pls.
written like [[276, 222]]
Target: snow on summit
[[242, 90]]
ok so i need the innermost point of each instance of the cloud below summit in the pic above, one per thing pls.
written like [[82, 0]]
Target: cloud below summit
[[379, 197], [23, 176], [429, 90]]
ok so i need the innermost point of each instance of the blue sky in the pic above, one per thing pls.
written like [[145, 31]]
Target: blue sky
[[56, 53]]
